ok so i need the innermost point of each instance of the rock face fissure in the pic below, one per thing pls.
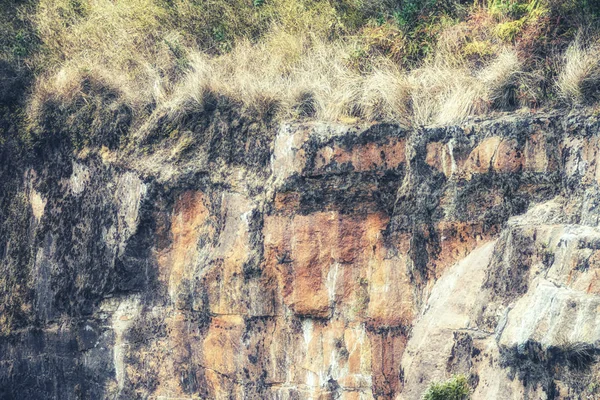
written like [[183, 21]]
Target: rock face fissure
[[319, 261]]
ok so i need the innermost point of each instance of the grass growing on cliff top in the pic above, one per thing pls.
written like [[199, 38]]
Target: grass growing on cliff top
[[318, 79], [415, 61]]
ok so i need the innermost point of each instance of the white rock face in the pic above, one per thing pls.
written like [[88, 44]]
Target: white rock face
[[79, 178], [552, 315], [122, 318], [38, 204], [129, 193], [553, 308], [451, 307]]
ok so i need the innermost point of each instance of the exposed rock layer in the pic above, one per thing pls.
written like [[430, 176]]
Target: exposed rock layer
[[315, 262]]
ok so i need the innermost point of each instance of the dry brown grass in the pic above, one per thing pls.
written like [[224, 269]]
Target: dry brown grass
[[277, 75], [298, 76], [305, 64], [311, 78], [321, 74], [122, 44], [579, 79], [141, 48]]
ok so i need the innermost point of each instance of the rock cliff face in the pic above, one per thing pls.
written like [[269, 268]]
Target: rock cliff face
[[303, 261]]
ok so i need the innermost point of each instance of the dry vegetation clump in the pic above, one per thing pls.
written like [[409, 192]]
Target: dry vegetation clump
[[300, 79], [445, 93], [122, 43], [318, 80], [579, 78], [386, 94], [418, 61], [144, 47]]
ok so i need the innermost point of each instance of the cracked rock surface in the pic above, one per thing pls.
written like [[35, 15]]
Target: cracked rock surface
[[305, 261]]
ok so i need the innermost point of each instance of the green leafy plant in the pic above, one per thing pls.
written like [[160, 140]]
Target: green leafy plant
[[456, 388]]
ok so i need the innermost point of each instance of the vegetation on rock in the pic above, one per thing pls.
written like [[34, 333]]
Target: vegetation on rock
[[455, 388], [419, 62]]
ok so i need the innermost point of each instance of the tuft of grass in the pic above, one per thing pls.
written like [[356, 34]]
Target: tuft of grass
[[297, 77], [577, 355], [125, 42], [579, 78], [386, 95], [446, 94], [456, 388], [478, 49]]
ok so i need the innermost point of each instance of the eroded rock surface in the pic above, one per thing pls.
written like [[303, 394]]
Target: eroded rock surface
[[305, 261]]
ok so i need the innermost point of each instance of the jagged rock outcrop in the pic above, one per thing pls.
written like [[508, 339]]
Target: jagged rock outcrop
[[215, 257]]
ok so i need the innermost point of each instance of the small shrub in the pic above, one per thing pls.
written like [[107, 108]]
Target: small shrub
[[592, 388], [456, 388], [385, 39]]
